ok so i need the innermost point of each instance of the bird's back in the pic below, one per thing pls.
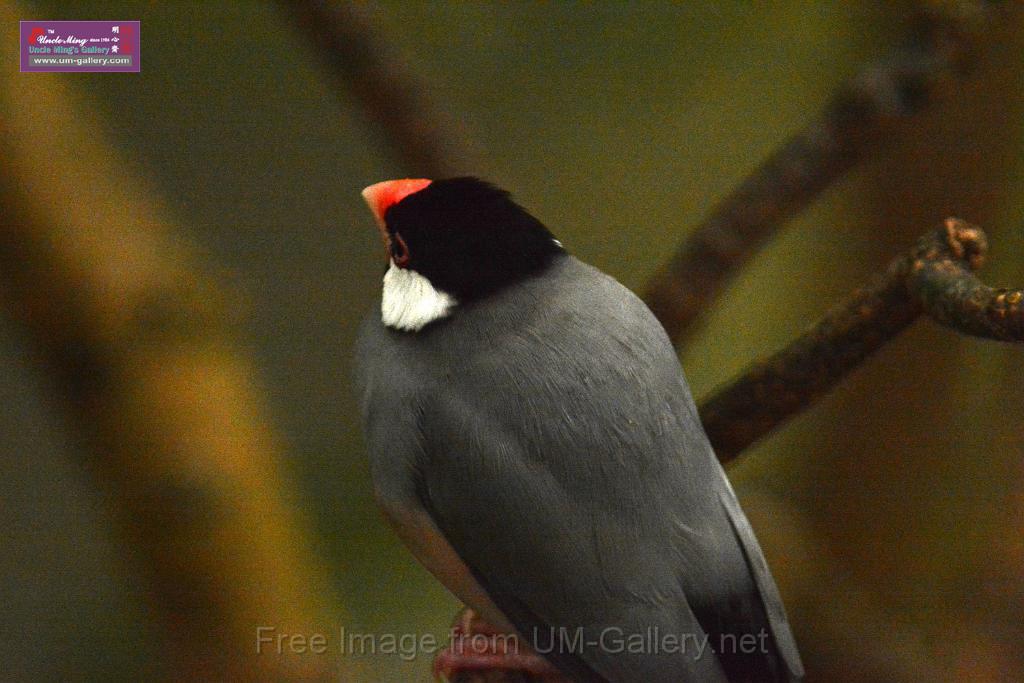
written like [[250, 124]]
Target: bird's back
[[566, 464]]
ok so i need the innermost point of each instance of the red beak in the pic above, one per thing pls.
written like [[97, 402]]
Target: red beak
[[382, 196]]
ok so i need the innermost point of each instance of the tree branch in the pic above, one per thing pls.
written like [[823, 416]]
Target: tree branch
[[424, 136], [935, 277], [954, 297], [860, 119]]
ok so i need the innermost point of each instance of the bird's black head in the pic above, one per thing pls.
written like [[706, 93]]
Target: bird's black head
[[467, 237]]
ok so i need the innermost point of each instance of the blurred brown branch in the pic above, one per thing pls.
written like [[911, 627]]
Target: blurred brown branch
[[861, 119], [170, 413], [935, 277], [425, 137]]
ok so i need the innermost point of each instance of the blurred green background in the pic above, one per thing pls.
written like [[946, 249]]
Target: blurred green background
[[890, 511]]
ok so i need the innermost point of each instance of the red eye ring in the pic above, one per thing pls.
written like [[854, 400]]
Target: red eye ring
[[399, 251]]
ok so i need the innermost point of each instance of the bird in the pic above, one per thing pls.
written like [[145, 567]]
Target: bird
[[533, 441]]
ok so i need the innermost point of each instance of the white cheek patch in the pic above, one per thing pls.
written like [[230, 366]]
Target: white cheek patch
[[410, 301]]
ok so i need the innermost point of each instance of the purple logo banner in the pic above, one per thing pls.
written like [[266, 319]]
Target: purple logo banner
[[80, 46]]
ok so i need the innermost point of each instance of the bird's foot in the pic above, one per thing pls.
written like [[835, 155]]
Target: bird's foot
[[479, 652]]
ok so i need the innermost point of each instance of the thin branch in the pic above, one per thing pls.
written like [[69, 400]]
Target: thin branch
[[424, 136], [859, 121], [935, 277], [954, 297]]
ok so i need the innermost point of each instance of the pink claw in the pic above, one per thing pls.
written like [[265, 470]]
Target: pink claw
[[478, 646]]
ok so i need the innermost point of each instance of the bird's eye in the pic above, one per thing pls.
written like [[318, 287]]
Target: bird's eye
[[399, 251]]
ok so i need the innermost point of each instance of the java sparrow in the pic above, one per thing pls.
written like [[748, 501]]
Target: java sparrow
[[533, 441]]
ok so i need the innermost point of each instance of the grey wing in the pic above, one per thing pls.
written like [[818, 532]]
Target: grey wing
[[791, 668], [589, 587]]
